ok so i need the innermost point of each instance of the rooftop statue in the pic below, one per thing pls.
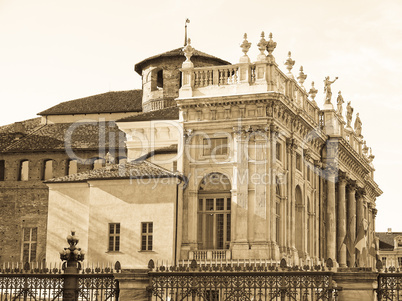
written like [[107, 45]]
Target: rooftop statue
[[358, 126], [340, 102], [349, 113], [327, 89]]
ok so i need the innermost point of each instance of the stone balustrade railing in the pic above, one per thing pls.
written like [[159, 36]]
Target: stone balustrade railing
[[245, 78]]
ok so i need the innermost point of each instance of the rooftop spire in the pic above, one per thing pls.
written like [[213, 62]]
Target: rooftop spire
[[185, 31]]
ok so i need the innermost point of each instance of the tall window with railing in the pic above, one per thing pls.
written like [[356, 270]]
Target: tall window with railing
[[214, 212]]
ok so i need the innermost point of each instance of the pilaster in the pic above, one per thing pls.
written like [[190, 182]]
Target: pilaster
[[341, 219], [352, 219], [331, 173]]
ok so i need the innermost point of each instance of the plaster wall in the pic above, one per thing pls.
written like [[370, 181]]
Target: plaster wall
[[90, 207]]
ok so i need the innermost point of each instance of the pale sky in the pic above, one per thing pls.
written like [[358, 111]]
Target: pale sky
[[53, 51]]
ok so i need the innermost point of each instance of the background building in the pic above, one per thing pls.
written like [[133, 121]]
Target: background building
[[390, 248]]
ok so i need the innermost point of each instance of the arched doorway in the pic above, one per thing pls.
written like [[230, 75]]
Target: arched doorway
[[214, 207]]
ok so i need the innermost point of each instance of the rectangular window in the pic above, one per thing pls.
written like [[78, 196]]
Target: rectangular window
[[214, 222], [215, 146], [29, 243], [278, 151], [384, 261], [146, 236], [114, 237], [298, 162], [399, 261], [2, 170]]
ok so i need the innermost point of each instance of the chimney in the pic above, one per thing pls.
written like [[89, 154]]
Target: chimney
[[389, 231], [19, 127]]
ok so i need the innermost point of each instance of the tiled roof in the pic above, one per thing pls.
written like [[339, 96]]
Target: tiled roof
[[171, 113], [11, 133], [127, 170], [178, 52], [25, 126], [54, 137], [387, 239], [110, 102]]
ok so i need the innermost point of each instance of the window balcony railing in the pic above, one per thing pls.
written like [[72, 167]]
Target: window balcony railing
[[214, 255]]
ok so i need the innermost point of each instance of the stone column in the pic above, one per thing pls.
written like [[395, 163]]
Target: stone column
[[351, 222], [341, 219], [357, 284], [272, 216], [317, 179], [359, 217], [192, 219], [331, 215], [240, 201], [260, 225], [133, 285]]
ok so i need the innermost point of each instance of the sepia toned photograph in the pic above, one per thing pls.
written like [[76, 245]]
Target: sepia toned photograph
[[200, 150]]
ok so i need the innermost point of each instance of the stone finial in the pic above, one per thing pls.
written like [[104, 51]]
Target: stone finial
[[289, 63], [262, 45], [301, 77], [188, 52], [245, 46], [109, 159], [313, 92], [270, 48]]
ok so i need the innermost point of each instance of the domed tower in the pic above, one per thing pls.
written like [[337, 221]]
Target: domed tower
[[161, 76]]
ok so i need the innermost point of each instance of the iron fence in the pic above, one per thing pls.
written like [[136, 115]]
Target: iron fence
[[34, 284], [245, 282], [389, 283]]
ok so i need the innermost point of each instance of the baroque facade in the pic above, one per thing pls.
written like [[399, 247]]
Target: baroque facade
[[240, 163]]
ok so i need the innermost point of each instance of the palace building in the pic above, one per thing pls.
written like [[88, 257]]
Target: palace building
[[211, 161]]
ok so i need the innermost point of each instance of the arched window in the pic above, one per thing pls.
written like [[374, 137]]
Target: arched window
[[156, 79], [299, 219], [278, 212], [214, 207], [47, 172], [24, 171], [159, 79], [72, 167]]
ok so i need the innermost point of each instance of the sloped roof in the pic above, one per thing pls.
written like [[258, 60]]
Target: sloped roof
[[178, 52], [387, 239], [11, 133], [127, 170], [58, 136], [171, 113], [110, 102]]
